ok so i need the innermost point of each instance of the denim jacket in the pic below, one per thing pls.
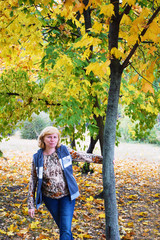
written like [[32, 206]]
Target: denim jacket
[[66, 163]]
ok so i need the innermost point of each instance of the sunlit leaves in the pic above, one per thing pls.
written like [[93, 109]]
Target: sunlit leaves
[[20, 36], [139, 112], [65, 64], [152, 32], [87, 41], [18, 99], [99, 69], [107, 10], [126, 20], [97, 27], [116, 53], [49, 41], [130, 2]]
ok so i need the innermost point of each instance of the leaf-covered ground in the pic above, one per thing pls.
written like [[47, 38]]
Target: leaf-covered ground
[[137, 197]]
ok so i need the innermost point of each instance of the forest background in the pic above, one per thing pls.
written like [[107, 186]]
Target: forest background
[[77, 61]]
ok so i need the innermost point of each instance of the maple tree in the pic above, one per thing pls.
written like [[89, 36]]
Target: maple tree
[[20, 28], [80, 62], [117, 67]]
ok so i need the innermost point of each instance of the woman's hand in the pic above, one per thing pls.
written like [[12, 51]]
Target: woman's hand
[[31, 212]]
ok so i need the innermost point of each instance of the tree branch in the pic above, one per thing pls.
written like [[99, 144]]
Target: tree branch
[[11, 22], [50, 104], [126, 11], [12, 94], [31, 99], [126, 62], [144, 77]]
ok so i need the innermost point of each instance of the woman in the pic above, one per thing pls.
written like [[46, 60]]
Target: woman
[[52, 176]]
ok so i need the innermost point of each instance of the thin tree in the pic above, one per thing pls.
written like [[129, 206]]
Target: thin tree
[[116, 68]]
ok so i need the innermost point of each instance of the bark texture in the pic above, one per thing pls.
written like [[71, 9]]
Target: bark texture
[[109, 192]]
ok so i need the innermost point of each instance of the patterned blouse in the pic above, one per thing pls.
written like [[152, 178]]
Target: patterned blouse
[[54, 184]]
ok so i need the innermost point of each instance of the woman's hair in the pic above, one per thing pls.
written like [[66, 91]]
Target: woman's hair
[[47, 131]]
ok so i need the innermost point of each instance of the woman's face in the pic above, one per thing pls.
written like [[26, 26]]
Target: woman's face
[[51, 140]]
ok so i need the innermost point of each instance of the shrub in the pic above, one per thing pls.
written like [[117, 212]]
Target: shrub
[[31, 129], [127, 131], [154, 136]]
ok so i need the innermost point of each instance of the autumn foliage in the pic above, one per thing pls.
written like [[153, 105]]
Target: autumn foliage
[[137, 197], [77, 60], [49, 62]]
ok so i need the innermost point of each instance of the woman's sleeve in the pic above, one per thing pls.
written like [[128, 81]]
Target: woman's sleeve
[[85, 157], [32, 187]]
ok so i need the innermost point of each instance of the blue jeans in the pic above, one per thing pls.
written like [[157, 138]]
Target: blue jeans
[[62, 212]]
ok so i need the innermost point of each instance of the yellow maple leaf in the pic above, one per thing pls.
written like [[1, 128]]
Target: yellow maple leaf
[[79, 7], [116, 52], [97, 27], [12, 229], [102, 215], [86, 54], [23, 220], [99, 69], [34, 224], [147, 87], [64, 62], [129, 2], [130, 224], [90, 199], [105, 67], [3, 232], [133, 196], [126, 20], [132, 39], [17, 205], [88, 236], [90, 68], [25, 210], [80, 230], [134, 79], [156, 195], [107, 10], [144, 214], [16, 216]]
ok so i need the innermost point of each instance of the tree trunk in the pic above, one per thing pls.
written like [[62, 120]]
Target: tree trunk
[[92, 144], [111, 213], [73, 143], [99, 119], [112, 229]]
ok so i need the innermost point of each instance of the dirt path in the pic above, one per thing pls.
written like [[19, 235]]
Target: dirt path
[[138, 151]]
